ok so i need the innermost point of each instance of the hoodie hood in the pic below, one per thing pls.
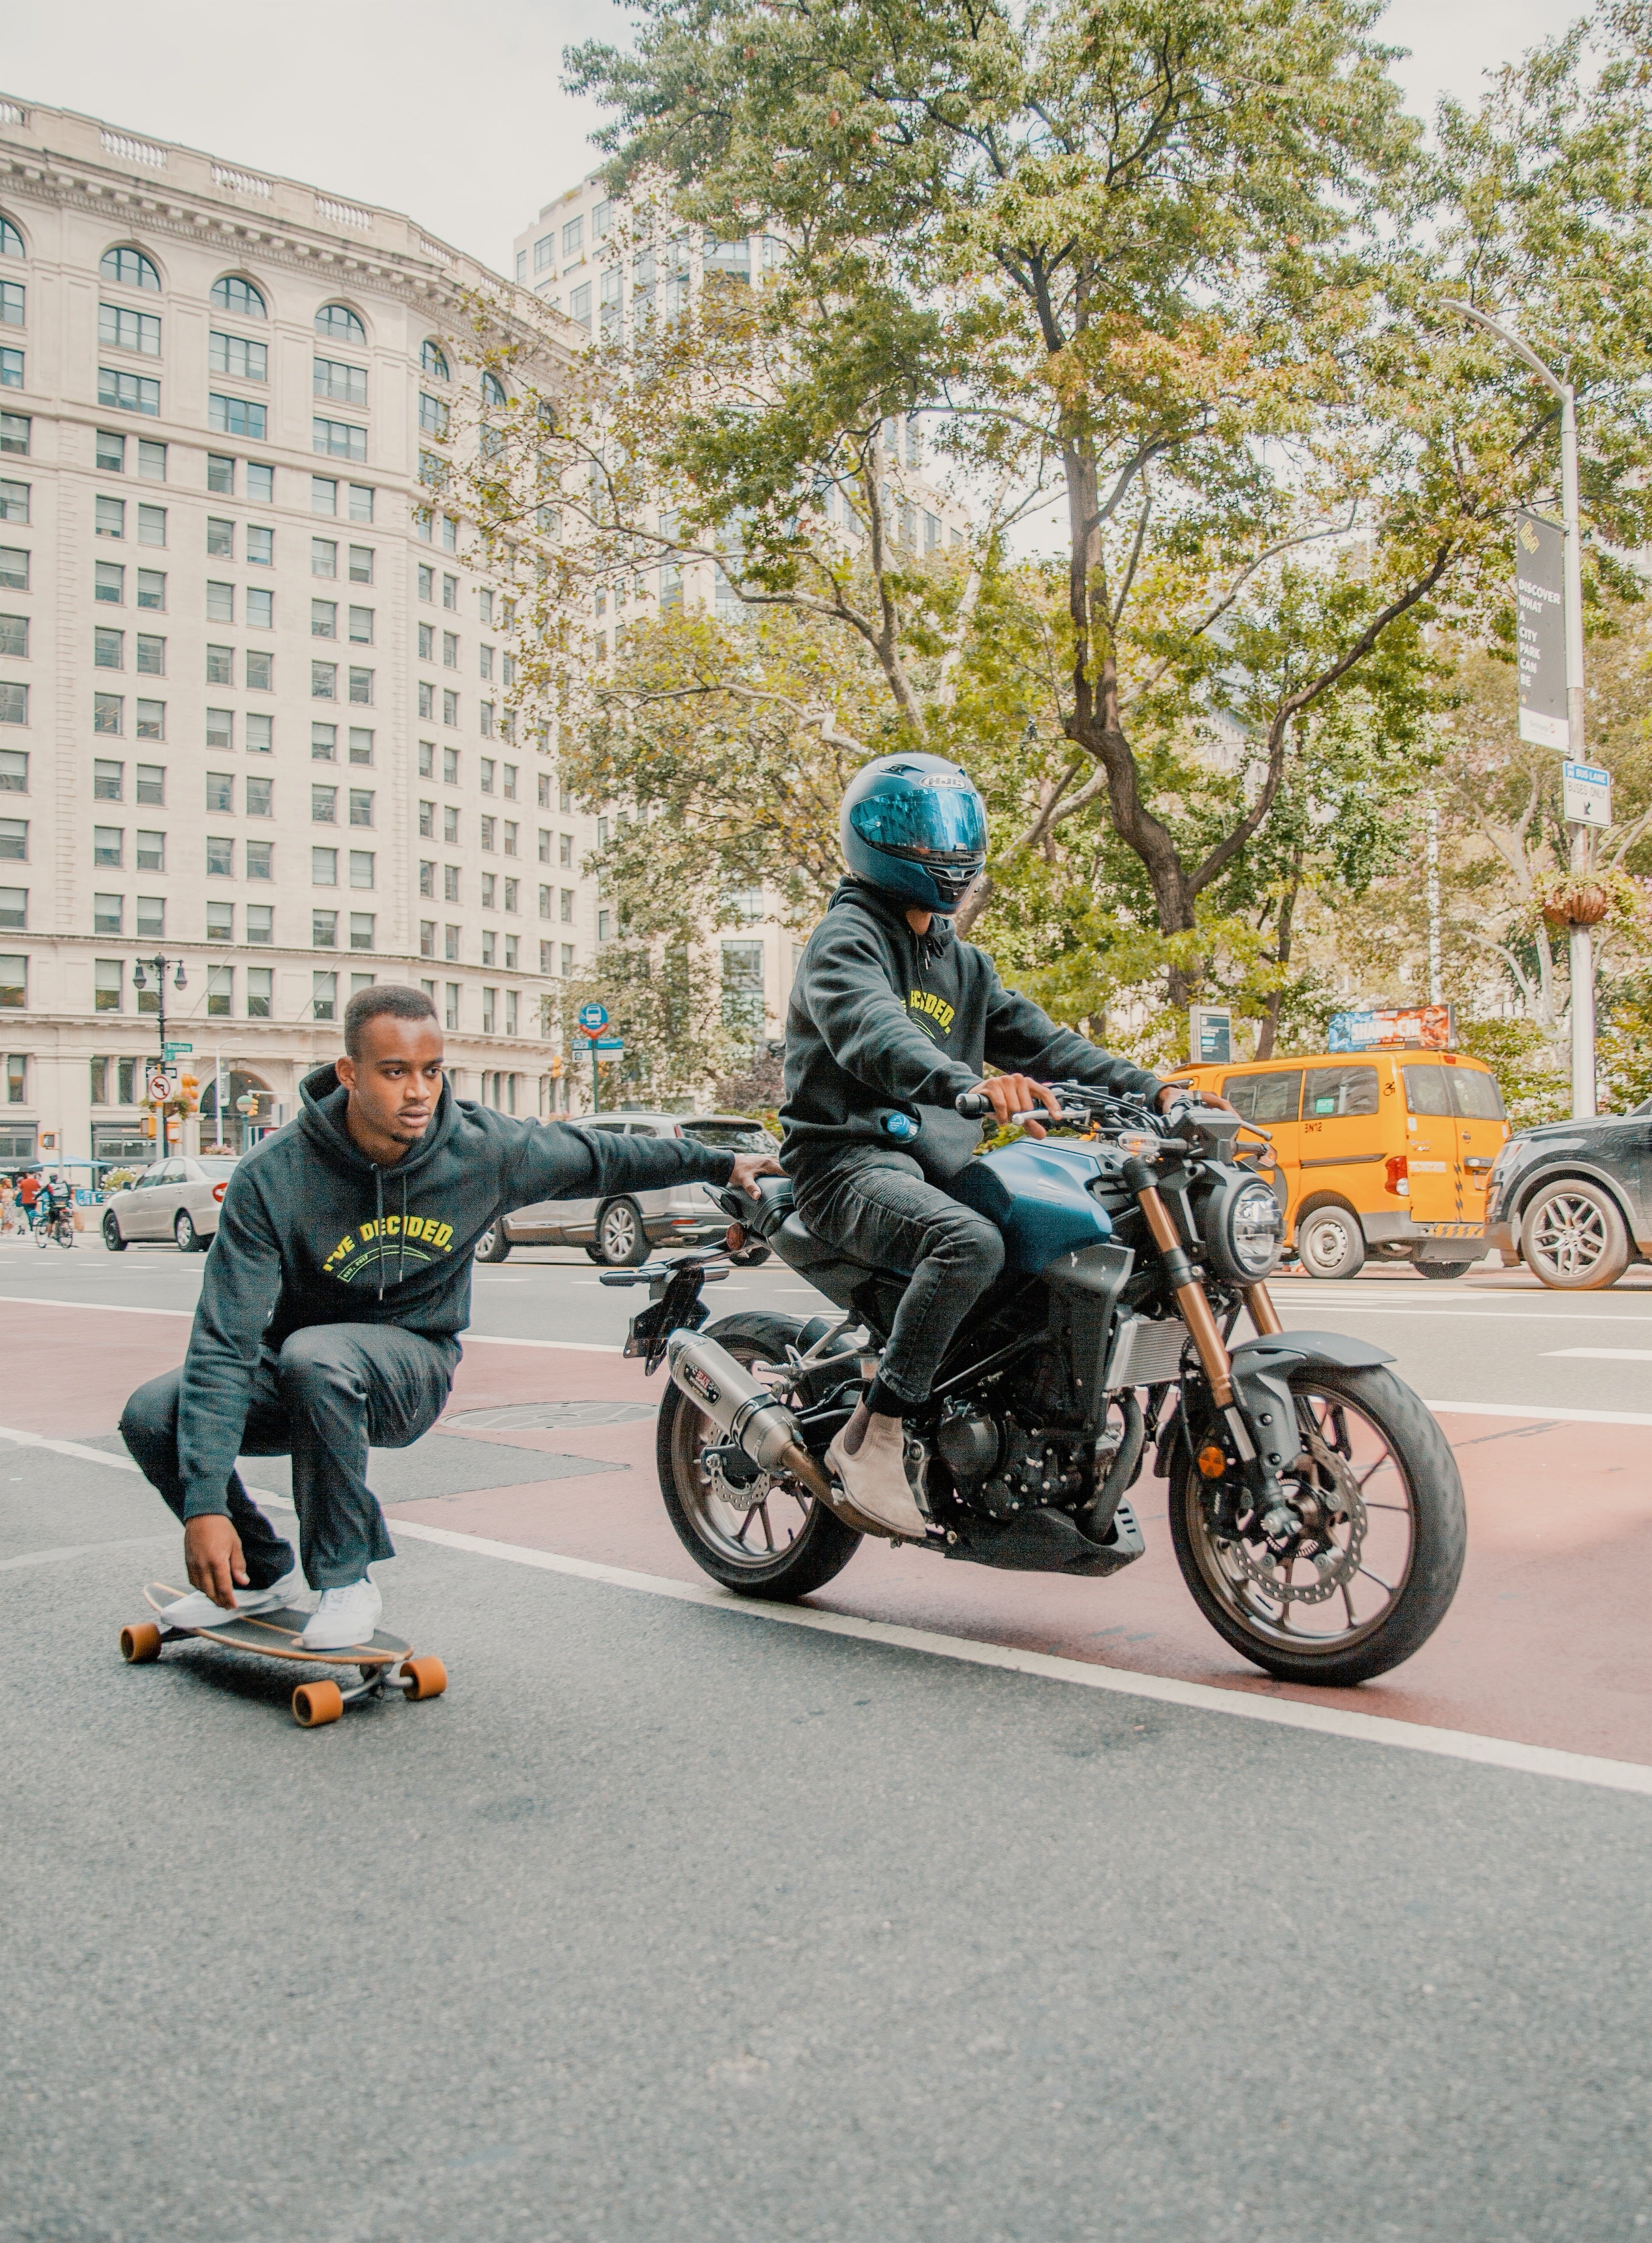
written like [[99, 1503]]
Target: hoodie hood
[[891, 914]]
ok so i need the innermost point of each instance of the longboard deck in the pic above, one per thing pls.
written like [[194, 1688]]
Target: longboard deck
[[275, 1635]]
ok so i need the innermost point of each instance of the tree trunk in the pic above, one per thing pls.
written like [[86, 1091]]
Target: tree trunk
[[1267, 1035]]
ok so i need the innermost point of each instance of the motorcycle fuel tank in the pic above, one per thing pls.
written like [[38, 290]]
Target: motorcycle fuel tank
[[1038, 1194]]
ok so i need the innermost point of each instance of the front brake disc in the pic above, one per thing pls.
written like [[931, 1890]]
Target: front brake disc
[[1334, 1564]]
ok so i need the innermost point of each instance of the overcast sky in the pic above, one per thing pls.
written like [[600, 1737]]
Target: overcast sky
[[456, 115]]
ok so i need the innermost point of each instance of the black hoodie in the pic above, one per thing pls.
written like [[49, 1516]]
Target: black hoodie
[[313, 1232], [881, 1017]]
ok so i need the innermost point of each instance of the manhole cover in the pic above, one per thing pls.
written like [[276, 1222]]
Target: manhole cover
[[521, 1417]]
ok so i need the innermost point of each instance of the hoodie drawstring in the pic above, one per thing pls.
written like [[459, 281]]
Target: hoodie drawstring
[[401, 1235], [378, 1239]]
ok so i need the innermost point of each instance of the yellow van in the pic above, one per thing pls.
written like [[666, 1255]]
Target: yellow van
[[1384, 1152]]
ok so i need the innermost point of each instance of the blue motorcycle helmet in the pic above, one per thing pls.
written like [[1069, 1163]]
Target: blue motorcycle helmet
[[915, 827]]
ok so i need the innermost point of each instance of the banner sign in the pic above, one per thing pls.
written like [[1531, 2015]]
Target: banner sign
[[1430, 1026], [1209, 1035], [1540, 604]]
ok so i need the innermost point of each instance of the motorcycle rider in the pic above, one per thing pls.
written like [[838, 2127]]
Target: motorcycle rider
[[891, 1017]]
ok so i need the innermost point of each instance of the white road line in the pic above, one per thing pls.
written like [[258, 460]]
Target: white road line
[[1547, 1417], [466, 1339], [1606, 1354], [1236, 1704], [83, 1549]]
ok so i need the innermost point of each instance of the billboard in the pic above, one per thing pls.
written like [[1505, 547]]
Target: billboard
[[1392, 1028], [1539, 618]]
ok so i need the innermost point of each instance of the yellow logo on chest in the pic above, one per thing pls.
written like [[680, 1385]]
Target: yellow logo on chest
[[924, 1000]]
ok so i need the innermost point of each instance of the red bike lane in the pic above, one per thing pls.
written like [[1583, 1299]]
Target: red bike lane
[[1545, 1646]]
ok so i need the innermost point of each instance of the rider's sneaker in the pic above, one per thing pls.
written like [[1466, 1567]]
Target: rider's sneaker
[[875, 1477], [196, 1609], [344, 1617]]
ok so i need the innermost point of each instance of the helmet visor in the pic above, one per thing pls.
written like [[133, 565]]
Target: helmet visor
[[943, 825]]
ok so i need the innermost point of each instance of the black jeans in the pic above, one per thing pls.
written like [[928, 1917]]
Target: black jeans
[[881, 1209], [331, 1391]]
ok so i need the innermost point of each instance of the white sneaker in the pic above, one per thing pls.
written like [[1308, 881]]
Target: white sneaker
[[344, 1617], [875, 1477], [197, 1610]]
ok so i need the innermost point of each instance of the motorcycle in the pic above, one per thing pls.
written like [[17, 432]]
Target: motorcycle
[[1315, 1508]]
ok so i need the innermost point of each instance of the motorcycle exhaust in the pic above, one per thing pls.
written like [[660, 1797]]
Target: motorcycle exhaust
[[744, 1410]]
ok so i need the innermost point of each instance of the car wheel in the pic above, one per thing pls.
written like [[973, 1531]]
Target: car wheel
[[593, 1253], [112, 1238], [1330, 1243], [620, 1239], [1573, 1237], [184, 1231], [493, 1245]]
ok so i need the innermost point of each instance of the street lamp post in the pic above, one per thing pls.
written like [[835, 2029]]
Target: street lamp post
[[139, 982], [1583, 943]]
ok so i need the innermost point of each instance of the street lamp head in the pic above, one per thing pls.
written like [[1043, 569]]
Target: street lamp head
[[138, 978], [179, 981]]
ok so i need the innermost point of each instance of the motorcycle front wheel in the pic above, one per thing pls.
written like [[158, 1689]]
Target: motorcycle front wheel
[[1388, 1566], [782, 1548]]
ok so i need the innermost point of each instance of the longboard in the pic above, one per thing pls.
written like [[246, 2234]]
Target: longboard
[[384, 1662]]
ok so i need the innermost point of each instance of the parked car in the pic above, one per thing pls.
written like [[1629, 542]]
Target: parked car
[[1573, 1200], [175, 1199], [1382, 1152], [620, 1230]]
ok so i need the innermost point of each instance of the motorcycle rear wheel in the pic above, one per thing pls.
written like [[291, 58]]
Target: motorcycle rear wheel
[[1409, 1562], [783, 1547]]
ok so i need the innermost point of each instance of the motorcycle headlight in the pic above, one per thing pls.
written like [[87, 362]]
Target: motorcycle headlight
[[1242, 1226]]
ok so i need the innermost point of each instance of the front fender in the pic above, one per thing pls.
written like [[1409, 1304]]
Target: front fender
[[1275, 1350]]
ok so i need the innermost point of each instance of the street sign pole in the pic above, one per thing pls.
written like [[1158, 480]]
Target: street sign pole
[[596, 1082], [1582, 946]]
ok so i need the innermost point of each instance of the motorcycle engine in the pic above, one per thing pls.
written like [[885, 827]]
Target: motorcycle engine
[[999, 1466]]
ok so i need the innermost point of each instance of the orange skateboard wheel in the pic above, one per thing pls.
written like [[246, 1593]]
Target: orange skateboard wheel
[[140, 1642], [426, 1678], [315, 1704]]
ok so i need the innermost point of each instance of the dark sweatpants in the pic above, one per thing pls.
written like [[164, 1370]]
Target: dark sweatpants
[[331, 1391], [881, 1209]]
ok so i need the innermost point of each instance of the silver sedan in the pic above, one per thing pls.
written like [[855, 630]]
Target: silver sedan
[[177, 1201]]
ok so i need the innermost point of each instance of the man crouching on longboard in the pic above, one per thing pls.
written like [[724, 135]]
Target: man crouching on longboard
[[332, 1302]]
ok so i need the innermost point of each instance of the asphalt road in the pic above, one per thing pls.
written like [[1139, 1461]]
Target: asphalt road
[[670, 1922], [1495, 1336]]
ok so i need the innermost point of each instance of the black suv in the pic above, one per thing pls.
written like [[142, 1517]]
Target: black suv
[[1574, 1199]]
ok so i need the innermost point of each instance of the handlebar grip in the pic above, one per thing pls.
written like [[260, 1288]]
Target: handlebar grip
[[971, 1105]]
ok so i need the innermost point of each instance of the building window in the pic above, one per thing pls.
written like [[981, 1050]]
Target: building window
[[450, 1011], [324, 805], [451, 650], [427, 699], [427, 938], [152, 784], [261, 990], [14, 840], [488, 883], [324, 744], [361, 744], [362, 924], [433, 414], [237, 356], [450, 945], [14, 636], [361, 565], [340, 384], [109, 993], [152, 655], [129, 268], [324, 868], [260, 672], [338, 440], [450, 766], [149, 850], [120, 329], [450, 884], [221, 922], [324, 556], [128, 393], [14, 704], [232, 416], [579, 306], [11, 369], [261, 609], [324, 495], [109, 649], [14, 909], [261, 918], [110, 452], [151, 587], [488, 997], [324, 987], [260, 735], [427, 643], [340, 321], [432, 360], [261, 798], [152, 919], [108, 584], [451, 597], [260, 865], [260, 546], [220, 857], [152, 720], [232, 293], [450, 823], [360, 626], [220, 991], [324, 681], [151, 460], [14, 433], [513, 889], [427, 878], [545, 895], [361, 688], [221, 601], [14, 771], [108, 914], [489, 827], [111, 517], [220, 474], [451, 708], [361, 868], [324, 618], [360, 806], [152, 525], [107, 711]]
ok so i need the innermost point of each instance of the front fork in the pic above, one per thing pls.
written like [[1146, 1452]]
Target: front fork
[[1266, 1413]]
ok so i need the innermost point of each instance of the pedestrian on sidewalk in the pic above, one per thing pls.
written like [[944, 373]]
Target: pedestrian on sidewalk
[[10, 1223], [333, 1299], [29, 1187]]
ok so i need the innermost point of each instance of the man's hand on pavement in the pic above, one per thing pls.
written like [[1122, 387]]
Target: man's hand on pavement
[[748, 1167], [213, 1555], [1017, 1098]]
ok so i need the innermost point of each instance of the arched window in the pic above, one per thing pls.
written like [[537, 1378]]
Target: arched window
[[232, 293], [10, 239], [130, 268], [340, 322], [432, 359], [493, 390]]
